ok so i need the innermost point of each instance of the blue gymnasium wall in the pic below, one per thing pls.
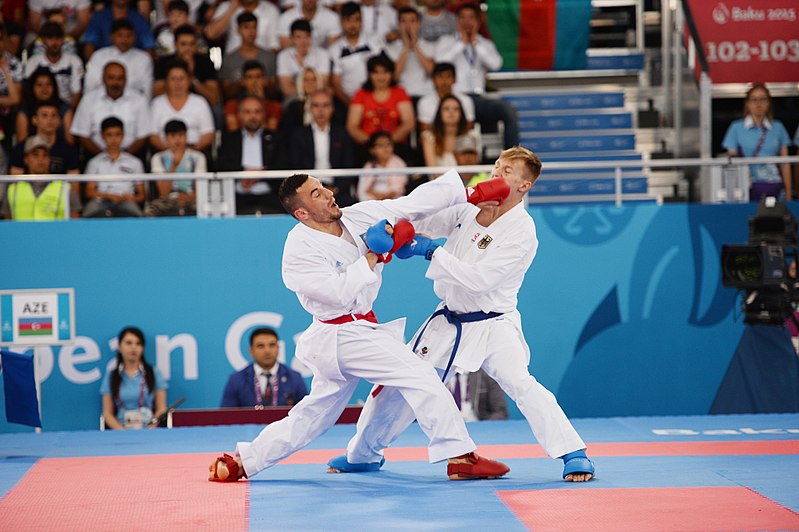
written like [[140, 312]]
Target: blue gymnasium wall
[[622, 307]]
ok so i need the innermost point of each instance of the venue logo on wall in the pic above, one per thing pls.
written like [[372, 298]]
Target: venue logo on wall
[[721, 14]]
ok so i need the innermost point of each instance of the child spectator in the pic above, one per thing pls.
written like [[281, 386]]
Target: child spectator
[[177, 197], [113, 198], [378, 187]]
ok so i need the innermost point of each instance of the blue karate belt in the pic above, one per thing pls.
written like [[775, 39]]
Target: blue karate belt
[[457, 320]]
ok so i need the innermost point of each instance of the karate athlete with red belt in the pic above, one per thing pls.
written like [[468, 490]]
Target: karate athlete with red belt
[[327, 263], [477, 274]]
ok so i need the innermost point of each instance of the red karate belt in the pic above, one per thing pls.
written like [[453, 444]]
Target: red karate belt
[[346, 318]]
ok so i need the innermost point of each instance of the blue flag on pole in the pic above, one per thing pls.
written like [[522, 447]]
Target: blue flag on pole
[[22, 405]]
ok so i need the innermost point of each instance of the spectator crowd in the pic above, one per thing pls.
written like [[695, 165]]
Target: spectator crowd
[[189, 86]]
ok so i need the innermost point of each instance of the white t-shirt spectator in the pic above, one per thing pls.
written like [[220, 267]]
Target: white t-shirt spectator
[[325, 24], [267, 15], [472, 63], [349, 62], [138, 69], [196, 114], [287, 64], [95, 106], [413, 78]]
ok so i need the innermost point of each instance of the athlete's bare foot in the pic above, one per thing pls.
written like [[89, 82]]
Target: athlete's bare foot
[[579, 477]]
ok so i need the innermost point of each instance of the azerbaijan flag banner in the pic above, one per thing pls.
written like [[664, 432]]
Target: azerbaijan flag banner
[[540, 34]]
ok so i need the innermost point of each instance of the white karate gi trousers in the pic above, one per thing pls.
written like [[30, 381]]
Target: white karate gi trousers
[[386, 416], [365, 351]]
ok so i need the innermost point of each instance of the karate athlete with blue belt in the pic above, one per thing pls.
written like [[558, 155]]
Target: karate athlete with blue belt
[[336, 277], [477, 274]]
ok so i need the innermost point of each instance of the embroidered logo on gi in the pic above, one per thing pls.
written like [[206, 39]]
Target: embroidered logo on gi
[[475, 237], [484, 242], [338, 264], [458, 226]]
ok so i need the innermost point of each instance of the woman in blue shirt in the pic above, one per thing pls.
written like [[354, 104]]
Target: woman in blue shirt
[[757, 134], [134, 393]]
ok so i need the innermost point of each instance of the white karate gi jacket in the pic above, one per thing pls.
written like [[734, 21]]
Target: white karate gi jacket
[[478, 269], [331, 277]]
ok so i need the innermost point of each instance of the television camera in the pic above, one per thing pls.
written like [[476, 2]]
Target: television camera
[[765, 268]]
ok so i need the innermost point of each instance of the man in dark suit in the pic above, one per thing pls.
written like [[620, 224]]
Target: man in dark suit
[[265, 382], [323, 145], [251, 148]]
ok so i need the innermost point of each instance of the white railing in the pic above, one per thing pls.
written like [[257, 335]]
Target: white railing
[[216, 190]]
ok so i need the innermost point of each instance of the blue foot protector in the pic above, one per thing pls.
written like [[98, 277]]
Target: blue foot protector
[[577, 462], [340, 463]]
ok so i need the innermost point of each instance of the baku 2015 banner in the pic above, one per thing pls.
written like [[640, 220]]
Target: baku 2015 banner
[[749, 40]]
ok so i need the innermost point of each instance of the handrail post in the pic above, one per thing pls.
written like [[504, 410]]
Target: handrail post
[[677, 85], [665, 57], [618, 187]]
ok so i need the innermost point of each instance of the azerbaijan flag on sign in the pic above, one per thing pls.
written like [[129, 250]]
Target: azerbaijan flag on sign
[[540, 34], [35, 326]]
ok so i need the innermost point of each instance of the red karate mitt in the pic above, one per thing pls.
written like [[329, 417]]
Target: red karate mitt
[[492, 190], [402, 233]]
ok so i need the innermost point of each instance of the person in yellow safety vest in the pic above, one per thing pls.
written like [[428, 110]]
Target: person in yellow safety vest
[[38, 200]]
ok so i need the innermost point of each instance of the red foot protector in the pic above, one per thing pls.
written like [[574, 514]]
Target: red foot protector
[[650, 509], [476, 467], [225, 469]]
